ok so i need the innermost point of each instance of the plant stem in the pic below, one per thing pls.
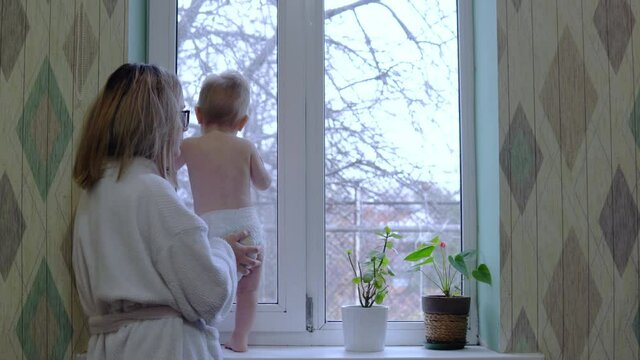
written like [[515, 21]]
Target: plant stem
[[367, 294], [453, 275], [433, 281], [355, 273], [360, 286], [447, 283], [440, 277]]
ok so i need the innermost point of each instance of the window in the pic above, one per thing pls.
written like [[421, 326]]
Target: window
[[355, 111], [391, 138], [213, 37]]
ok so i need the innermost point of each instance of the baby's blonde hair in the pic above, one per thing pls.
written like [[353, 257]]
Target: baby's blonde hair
[[224, 98], [136, 114]]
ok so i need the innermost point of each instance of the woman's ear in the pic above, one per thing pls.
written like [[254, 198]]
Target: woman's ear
[[199, 116]]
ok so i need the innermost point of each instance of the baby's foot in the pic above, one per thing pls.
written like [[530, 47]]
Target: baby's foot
[[237, 346]]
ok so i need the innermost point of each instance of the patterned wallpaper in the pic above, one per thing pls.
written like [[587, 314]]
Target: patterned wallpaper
[[569, 98], [54, 55]]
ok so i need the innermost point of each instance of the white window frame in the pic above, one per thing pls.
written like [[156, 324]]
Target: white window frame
[[299, 316]]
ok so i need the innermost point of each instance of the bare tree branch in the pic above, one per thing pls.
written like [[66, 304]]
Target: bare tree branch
[[328, 14], [375, 87]]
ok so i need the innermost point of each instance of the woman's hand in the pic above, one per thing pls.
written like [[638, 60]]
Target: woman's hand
[[245, 255]]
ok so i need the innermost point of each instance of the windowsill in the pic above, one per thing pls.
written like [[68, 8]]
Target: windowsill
[[390, 352]]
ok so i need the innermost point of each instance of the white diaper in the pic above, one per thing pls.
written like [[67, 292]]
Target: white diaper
[[224, 222]]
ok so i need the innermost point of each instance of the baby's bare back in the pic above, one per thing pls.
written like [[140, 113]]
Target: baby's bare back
[[219, 166]]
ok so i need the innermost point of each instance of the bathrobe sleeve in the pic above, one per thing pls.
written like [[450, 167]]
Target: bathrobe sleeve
[[200, 273]]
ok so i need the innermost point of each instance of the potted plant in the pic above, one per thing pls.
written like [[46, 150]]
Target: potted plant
[[365, 325], [446, 315]]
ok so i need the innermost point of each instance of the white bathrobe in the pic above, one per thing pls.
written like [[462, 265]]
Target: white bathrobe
[[135, 242]]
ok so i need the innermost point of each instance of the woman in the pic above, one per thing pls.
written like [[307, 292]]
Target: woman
[[151, 282]]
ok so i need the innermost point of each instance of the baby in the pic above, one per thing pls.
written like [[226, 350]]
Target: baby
[[222, 167]]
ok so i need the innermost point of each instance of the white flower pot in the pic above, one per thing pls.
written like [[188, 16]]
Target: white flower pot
[[365, 329]]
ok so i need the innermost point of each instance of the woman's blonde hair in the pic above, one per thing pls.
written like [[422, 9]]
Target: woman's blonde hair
[[136, 114]]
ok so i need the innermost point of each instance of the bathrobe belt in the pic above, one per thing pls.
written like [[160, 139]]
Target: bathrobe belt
[[109, 323]]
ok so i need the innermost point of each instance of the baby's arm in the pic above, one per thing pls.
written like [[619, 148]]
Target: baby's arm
[[181, 159], [259, 175]]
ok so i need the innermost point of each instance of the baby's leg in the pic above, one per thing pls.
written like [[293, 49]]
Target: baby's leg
[[246, 303]]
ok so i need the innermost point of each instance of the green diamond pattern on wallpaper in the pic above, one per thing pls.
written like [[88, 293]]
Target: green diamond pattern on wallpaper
[[517, 4], [568, 84], [614, 21], [11, 225], [505, 246], [53, 61], [634, 120], [502, 42], [570, 257], [523, 339], [520, 158], [110, 5], [569, 279], [619, 221], [44, 328], [44, 128], [80, 48], [14, 27]]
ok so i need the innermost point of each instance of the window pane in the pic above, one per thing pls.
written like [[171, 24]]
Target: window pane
[[391, 139], [214, 36]]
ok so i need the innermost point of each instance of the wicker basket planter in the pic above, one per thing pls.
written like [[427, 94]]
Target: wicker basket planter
[[445, 320]]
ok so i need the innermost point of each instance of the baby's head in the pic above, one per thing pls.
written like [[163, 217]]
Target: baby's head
[[224, 101]]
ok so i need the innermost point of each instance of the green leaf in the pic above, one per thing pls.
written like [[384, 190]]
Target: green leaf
[[428, 261], [349, 252], [356, 280], [482, 274], [387, 230], [367, 277], [381, 234], [395, 236], [420, 253], [465, 254], [458, 263], [391, 273], [378, 283], [385, 261], [389, 244], [435, 240], [380, 297]]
